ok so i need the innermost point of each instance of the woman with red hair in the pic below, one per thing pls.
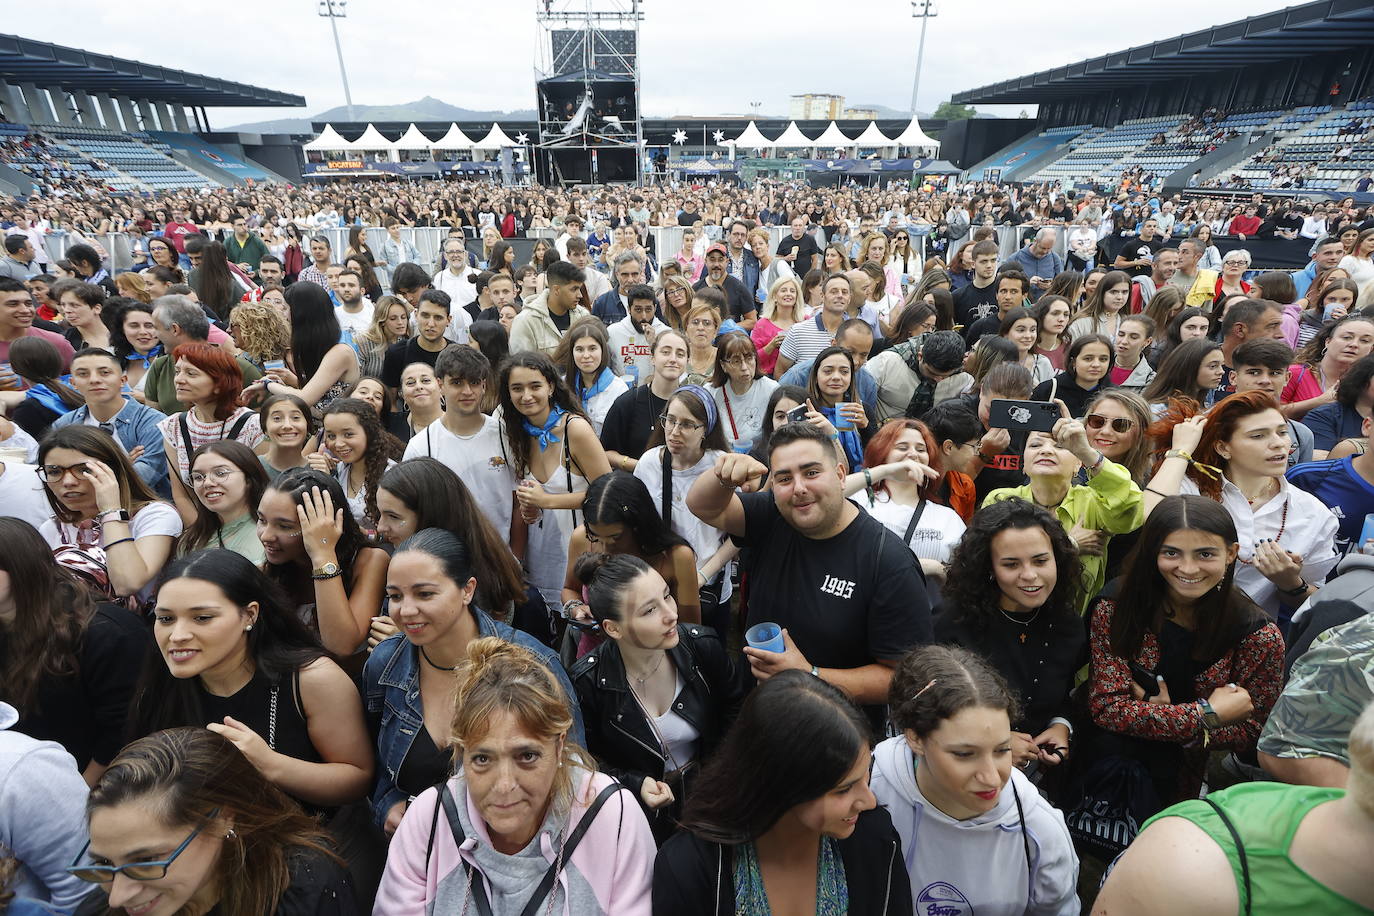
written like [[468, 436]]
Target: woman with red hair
[[1237, 454], [903, 469], [209, 382]]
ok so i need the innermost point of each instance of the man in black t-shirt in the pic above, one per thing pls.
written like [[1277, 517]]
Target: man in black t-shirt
[[978, 299], [799, 249], [847, 592], [1137, 255], [432, 319], [740, 302]]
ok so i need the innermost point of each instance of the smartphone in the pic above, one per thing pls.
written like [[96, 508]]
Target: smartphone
[[1032, 416], [797, 414], [1145, 679]]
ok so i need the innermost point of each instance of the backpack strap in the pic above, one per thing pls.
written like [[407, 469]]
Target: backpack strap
[[568, 848], [1240, 849], [475, 885]]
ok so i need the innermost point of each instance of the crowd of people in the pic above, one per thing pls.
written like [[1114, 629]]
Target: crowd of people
[[798, 576]]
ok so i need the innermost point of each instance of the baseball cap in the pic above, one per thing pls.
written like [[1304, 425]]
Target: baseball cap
[[719, 246]]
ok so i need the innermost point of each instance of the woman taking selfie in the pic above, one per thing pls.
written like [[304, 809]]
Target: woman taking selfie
[[977, 835], [221, 838], [782, 820], [526, 824], [658, 693], [408, 681]]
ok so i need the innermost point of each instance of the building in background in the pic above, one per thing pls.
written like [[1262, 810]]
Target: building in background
[[816, 107]]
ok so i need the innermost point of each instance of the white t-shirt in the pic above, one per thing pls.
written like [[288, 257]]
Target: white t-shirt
[[461, 292], [939, 529], [480, 460], [22, 493], [742, 417], [459, 325], [599, 404], [630, 352], [705, 540], [157, 518], [357, 322]]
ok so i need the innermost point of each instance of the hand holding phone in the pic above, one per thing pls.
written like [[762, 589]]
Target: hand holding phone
[[1030, 416]]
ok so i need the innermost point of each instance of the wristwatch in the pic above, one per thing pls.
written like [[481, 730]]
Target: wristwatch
[[327, 571], [1298, 592], [1210, 719]]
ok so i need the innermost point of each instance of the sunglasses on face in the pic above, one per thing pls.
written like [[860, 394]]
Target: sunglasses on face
[[1097, 421]]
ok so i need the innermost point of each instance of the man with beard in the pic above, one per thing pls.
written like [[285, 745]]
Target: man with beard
[[737, 296], [631, 335], [354, 311]]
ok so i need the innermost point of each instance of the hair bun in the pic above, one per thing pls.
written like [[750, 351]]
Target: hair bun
[[588, 565]]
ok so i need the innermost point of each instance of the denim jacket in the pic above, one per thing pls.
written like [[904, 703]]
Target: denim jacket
[[135, 425], [391, 693]]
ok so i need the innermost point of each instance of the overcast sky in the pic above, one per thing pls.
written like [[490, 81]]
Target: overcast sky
[[479, 54]]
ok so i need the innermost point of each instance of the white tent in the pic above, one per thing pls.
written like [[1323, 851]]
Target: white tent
[[495, 139], [914, 136], [328, 139], [751, 138], [454, 139], [412, 140], [872, 136], [833, 138], [371, 139], [793, 138]]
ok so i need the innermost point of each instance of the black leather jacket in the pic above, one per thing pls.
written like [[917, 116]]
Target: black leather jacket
[[618, 734]]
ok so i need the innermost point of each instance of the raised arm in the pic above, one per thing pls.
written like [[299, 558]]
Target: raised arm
[[712, 497]]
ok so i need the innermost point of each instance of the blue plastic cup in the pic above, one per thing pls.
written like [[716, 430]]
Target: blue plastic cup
[[765, 636]]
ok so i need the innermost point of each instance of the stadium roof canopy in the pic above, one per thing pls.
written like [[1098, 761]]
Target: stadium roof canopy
[[49, 66], [1299, 31]]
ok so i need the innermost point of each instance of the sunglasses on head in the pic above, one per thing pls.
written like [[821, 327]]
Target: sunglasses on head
[[1097, 421]]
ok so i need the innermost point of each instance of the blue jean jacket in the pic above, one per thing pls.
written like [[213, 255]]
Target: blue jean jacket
[[135, 425], [391, 694]]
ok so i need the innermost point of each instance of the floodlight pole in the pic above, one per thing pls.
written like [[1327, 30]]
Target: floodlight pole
[[923, 10], [334, 10]]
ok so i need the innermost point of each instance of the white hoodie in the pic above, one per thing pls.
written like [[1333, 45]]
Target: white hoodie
[[977, 866]]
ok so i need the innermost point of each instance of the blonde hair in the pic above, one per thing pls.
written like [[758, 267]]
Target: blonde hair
[[770, 305], [134, 286], [376, 328], [499, 676], [757, 233], [259, 330], [867, 241]]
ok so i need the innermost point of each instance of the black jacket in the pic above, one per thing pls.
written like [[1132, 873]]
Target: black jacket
[[618, 733], [695, 877]]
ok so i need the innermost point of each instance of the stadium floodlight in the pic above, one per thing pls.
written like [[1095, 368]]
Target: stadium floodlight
[[925, 11], [334, 10]]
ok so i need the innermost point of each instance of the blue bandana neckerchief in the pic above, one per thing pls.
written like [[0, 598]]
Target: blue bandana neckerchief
[[48, 398], [603, 381], [544, 434], [147, 360]]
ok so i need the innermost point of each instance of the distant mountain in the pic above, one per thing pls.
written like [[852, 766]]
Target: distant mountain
[[425, 109]]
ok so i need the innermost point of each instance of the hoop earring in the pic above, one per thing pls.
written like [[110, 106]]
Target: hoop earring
[[231, 834]]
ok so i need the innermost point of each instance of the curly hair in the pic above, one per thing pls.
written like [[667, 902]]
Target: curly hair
[[260, 331], [973, 596], [375, 456]]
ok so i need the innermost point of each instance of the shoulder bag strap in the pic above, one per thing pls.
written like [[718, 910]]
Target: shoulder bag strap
[[568, 848], [568, 462], [475, 885], [185, 436], [725, 393], [915, 518], [1240, 850]]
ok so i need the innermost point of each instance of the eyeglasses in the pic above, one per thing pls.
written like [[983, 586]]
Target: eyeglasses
[[1097, 421], [687, 426], [52, 473], [738, 359], [1234, 264], [138, 871], [218, 475]]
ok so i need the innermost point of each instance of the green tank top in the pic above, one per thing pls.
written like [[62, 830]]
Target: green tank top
[[1267, 815]]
